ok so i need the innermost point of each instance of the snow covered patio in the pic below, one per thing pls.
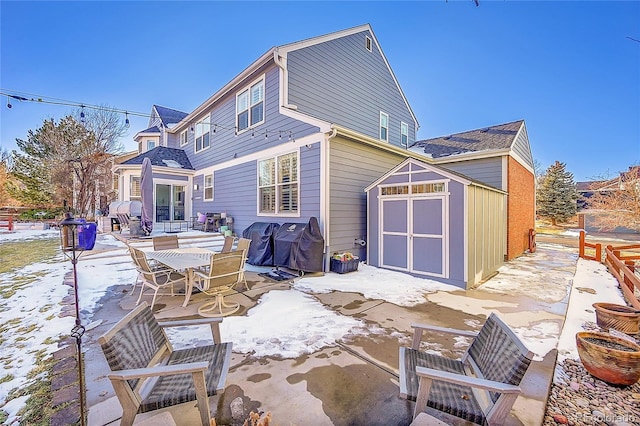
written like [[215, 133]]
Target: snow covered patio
[[324, 349]]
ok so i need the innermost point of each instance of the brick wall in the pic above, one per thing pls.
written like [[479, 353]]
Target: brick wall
[[520, 208]]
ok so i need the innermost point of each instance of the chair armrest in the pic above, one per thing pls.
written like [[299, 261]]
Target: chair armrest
[[163, 370], [474, 382], [420, 328], [214, 323]]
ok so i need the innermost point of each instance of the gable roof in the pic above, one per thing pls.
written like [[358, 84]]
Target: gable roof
[[164, 157], [271, 54], [169, 116], [499, 137]]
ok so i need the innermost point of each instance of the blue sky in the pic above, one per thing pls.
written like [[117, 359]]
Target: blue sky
[[568, 68]]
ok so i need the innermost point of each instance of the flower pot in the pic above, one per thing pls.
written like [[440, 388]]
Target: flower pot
[[609, 358], [619, 317]]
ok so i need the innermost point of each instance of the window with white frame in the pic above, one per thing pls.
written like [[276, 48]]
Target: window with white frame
[[250, 106], [134, 188], [150, 144], [278, 184], [367, 43], [384, 126], [208, 187], [404, 134], [183, 138], [202, 130]]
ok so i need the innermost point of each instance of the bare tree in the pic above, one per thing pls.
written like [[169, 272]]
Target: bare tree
[[617, 201]]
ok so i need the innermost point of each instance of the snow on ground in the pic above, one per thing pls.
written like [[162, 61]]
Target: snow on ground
[[374, 283]]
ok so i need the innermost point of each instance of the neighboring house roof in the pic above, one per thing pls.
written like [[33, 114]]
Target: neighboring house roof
[[169, 116], [119, 159], [279, 51], [498, 137], [164, 157]]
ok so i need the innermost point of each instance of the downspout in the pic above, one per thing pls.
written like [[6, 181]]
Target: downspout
[[325, 191], [284, 81]]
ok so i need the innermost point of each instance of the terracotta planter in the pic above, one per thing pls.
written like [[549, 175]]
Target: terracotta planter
[[609, 358], [619, 317]]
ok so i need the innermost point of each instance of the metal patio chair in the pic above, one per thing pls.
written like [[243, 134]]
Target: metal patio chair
[[165, 242], [220, 277], [155, 278], [481, 387], [148, 374]]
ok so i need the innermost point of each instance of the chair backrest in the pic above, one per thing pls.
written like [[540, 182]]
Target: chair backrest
[[142, 264], [123, 218], [243, 244], [136, 341], [228, 244], [165, 242], [498, 354], [225, 269]]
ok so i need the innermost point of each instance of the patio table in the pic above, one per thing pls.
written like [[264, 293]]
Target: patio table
[[183, 259]]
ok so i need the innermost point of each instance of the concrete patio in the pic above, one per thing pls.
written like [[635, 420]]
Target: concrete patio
[[355, 381]]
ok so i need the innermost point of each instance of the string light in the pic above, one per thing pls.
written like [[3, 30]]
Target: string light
[[65, 102]]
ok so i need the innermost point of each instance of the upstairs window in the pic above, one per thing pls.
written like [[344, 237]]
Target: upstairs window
[[404, 134], [278, 185], [367, 43], [208, 187], [151, 144], [202, 130], [384, 126], [183, 138], [250, 106]]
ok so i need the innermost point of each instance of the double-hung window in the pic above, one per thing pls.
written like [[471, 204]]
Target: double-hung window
[[203, 128], [404, 134], [134, 188], [384, 126], [208, 187], [183, 138], [278, 185], [250, 106]]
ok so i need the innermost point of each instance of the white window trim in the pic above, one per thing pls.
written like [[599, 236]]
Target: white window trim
[[384, 114], [247, 88], [277, 213], [131, 196], [184, 137], [203, 120], [151, 141], [204, 187], [404, 125]]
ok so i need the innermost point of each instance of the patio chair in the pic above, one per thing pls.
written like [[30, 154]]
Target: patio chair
[[243, 245], [220, 277], [165, 242], [148, 374], [228, 244], [481, 387], [155, 278], [123, 218]]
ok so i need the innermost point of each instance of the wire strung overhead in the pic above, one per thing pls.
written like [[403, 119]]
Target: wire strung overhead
[[30, 97]]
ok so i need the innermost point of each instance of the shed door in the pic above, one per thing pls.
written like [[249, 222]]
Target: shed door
[[413, 236]]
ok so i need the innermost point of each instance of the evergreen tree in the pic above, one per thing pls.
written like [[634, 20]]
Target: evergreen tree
[[556, 195]]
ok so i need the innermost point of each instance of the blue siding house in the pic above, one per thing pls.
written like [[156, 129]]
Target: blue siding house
[[299, 133]]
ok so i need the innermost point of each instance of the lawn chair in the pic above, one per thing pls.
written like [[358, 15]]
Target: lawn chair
[[165, 242], [481, 387], [155, 278], [148, 374], [222, 275], [243, 245], [228, 244]]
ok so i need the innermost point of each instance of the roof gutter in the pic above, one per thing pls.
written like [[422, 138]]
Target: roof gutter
[[284, 92]]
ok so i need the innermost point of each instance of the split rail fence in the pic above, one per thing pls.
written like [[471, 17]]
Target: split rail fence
[[621, 263]]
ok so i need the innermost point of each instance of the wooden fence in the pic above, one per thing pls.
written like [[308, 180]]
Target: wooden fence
[[621, 263], [6, 222]]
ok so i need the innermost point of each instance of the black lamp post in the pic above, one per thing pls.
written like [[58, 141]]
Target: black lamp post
[[69, 238]]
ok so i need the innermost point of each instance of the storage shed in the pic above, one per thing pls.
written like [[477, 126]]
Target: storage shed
[[431, 222]]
